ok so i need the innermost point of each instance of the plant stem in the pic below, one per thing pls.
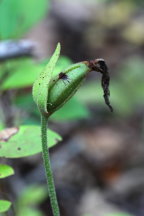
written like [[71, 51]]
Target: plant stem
[[48, 170]]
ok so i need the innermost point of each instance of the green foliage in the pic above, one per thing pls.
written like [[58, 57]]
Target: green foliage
[[32, 195], [5, 171], [26, 142], [25, 102], [1, 126], [41, 85], [72, 110], [4, 205], [28, 211], [18, 16], [21, 74]]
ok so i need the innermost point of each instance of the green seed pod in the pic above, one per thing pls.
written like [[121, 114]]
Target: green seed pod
[[65, 85]]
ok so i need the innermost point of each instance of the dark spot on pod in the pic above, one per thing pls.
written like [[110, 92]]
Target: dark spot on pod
[[63, 76], [18, 148]]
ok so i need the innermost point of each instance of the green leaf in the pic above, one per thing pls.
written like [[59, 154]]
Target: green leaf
[[72, 110], [1, 126], [18, 16], [25, 102], [4, 205], [22, 74], [8, 18], [32, 195], [31, 11], [26, 142], [41, 85], [5, 171], [27, 211]]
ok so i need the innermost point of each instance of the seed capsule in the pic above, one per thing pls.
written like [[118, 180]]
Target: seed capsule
[[62, 90], [65, 85]]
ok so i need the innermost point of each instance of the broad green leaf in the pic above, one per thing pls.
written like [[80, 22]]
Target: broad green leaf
[[41, 85], [18, 16], [26, 103], [8, 18], [31, 11], [4, 205], [5, 171], [26, 142], [72, 110], [32, 195], [22, 74], [28, 211], [1, 126]]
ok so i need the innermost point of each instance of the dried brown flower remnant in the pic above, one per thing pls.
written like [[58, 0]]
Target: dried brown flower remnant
[[100, 66]]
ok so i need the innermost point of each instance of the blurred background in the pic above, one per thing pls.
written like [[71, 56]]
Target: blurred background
[[99, 165]]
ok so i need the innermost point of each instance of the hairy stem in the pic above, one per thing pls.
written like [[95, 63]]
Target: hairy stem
[[48, 170]]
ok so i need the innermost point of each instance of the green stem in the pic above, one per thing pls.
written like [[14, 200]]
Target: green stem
[[48, 170]]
